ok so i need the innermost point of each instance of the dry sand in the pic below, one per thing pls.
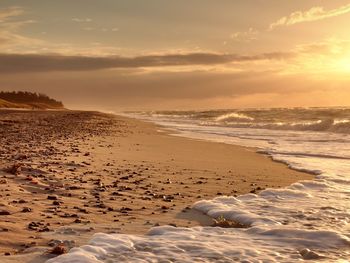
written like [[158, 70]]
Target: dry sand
[[68, 174]]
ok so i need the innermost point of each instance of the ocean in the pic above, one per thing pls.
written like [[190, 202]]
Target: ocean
[[309, 220]]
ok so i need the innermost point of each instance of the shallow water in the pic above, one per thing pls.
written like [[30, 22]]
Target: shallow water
[[308, 220]]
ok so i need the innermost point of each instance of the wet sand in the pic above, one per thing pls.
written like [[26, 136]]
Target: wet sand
[[65, 175]]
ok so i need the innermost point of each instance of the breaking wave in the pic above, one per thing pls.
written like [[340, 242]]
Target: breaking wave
[[234, 116], [320, 125], [315, 119]]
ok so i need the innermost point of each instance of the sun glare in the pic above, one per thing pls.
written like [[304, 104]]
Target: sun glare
[[343, 64], [323, 64]]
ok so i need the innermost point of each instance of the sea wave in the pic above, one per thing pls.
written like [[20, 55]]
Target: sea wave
[[233, 116], [335, 120], [320, 125]]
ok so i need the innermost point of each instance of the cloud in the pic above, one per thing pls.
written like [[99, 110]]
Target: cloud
[[246, 36], [10, 12], [121, 90], [313, 14], [88, 28], [104, 29], [9, 27], [16, 63], [82, 20]]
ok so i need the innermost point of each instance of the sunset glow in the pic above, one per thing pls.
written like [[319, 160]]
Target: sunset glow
[[174, 131], [241, 50]]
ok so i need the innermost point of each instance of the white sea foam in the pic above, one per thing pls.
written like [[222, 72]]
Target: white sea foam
[[198, 244], [234, 116], [309, 220]]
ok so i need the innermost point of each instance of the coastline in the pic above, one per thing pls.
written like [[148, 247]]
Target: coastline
[[127, 176]]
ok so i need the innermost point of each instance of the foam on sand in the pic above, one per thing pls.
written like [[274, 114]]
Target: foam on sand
[[308, 220], [198, 244]]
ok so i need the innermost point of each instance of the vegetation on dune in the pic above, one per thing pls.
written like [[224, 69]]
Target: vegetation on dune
[[24, 99]]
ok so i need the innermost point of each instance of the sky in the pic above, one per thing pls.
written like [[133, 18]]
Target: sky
[[184, 54]]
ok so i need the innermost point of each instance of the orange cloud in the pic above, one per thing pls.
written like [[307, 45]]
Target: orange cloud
[[313, 14], [9, 36], [245, 36], [7, 13], [15, 63]]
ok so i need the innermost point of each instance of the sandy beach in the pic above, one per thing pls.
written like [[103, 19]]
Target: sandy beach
[[66, 175]]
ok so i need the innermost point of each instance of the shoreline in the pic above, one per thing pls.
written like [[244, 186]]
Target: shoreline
[[115, 174]]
